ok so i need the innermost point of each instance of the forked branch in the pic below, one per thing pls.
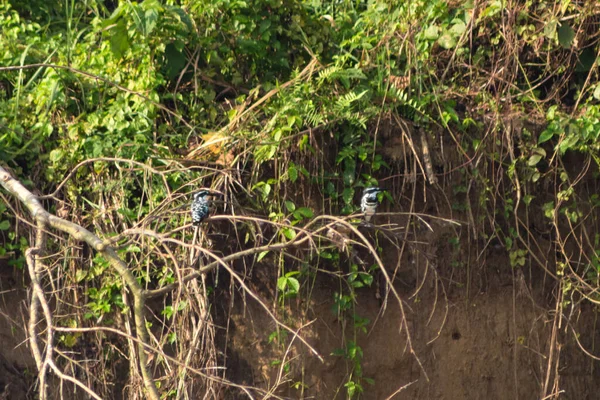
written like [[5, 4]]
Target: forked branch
[[43, 219]]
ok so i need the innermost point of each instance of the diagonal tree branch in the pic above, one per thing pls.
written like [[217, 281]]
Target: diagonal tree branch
[[44, 218]]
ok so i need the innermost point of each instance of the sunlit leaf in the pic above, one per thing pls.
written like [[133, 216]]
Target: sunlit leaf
[[261, 255], [293, 173], [447, 41], [550, 28], [289, 233], [534, 159], [597, 92], [290, 206], [545, 136], [432, 33]]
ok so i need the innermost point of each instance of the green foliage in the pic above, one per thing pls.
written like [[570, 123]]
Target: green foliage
[[299, 94], [288, 285], [574, 133], [107, 297], [169, 311], [517, 258], [343, 308], [358, 279]]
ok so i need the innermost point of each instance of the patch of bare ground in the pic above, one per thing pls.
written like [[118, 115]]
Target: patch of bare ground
[[487, 337]]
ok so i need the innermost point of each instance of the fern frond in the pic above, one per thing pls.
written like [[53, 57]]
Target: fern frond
[[344, 102], [338, 73], [327, 73]]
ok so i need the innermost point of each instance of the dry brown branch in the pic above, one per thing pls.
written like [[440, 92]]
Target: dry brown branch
[[400, 389], [308, 70], [427, 158], [43, 218], [166, 356], [163, 245]]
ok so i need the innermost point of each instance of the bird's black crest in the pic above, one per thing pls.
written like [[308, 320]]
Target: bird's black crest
[[371, 190]]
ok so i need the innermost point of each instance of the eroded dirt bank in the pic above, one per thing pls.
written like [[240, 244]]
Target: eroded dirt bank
[[485, 331]]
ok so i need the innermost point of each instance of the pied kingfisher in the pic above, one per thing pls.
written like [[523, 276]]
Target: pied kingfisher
[[201, 206], [369, 202]]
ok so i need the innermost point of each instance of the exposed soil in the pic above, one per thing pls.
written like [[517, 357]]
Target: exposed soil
[[17, 368], [479, 330], [487, 337]]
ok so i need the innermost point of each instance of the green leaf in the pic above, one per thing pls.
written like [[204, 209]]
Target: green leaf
[[119, 41], [293, 172], [264, 25], [351, 387], [539, 153], [70, 340], [447, 41], [168, 312], [357, 284], [288, 233], [56, 155], [293, 285], [273, 336], [4, 225], [266, 189], [261, 255], [348, 195], [137, 13], [174, 61], [548, 209], [586, 60], [305, 212], [432, 33], [366, 278], [545, 136], [182, 16], [134, 249], [568, 143], [114, 17], [282, 283], [80, 275], [458, 28], [597, 92], [551, 113], [338, 352], [290, 206], [303, 142], [550, 28], [151, 16], [182, 305], [494, 8], [349, 173], [534, 159], [566, 35]]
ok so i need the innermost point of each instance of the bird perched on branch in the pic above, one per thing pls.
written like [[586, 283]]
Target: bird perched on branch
[[201, 204], [369, 202]]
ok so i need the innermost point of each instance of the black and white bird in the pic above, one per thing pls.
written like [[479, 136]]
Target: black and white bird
[[369, 202], [201, 204]]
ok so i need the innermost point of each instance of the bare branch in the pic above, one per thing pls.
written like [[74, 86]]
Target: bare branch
[[44, 218]]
